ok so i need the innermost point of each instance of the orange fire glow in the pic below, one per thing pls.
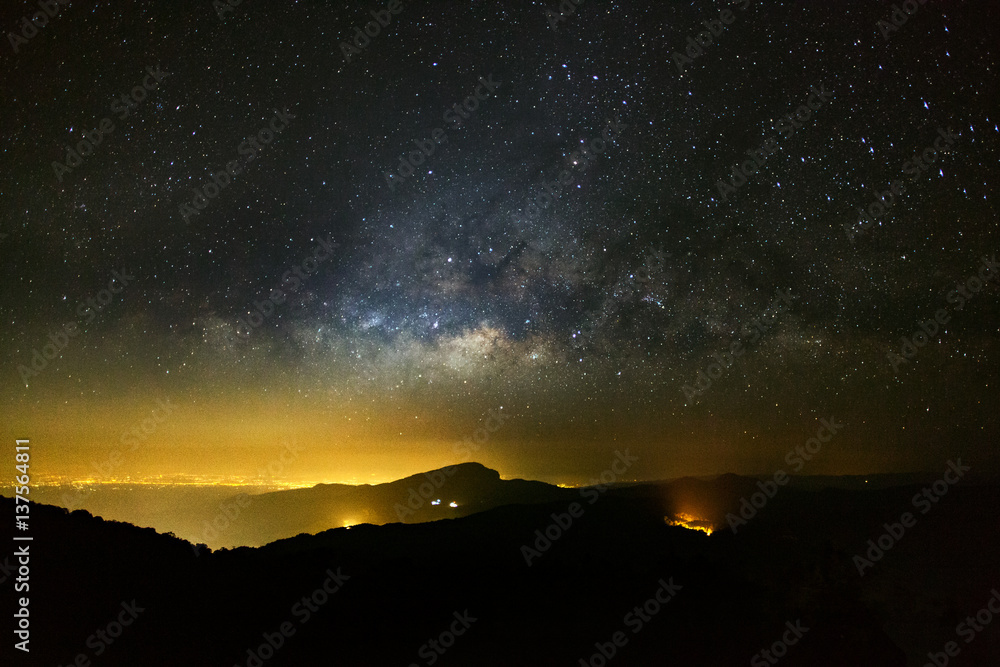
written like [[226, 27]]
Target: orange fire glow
[[690, 522]]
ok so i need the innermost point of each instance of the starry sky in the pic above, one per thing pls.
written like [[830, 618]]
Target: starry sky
[[589, 324]]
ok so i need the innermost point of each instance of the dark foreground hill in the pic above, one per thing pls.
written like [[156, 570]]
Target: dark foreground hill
[[460, 592]]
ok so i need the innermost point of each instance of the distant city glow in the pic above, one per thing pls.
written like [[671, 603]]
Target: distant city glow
[[183, 480]]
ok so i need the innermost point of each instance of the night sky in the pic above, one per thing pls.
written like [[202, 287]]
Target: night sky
[[410, 306]]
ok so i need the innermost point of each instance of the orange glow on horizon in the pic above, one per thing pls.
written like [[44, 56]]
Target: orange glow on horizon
[[690, 522]]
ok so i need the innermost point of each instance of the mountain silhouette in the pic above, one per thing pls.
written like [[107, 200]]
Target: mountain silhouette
[[598, 556], [470, 487]]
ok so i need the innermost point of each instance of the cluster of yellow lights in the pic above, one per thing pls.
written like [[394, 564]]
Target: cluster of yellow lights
[[690, 522]]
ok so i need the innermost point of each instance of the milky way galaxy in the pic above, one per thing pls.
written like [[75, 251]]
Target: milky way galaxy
[[586, 221]]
